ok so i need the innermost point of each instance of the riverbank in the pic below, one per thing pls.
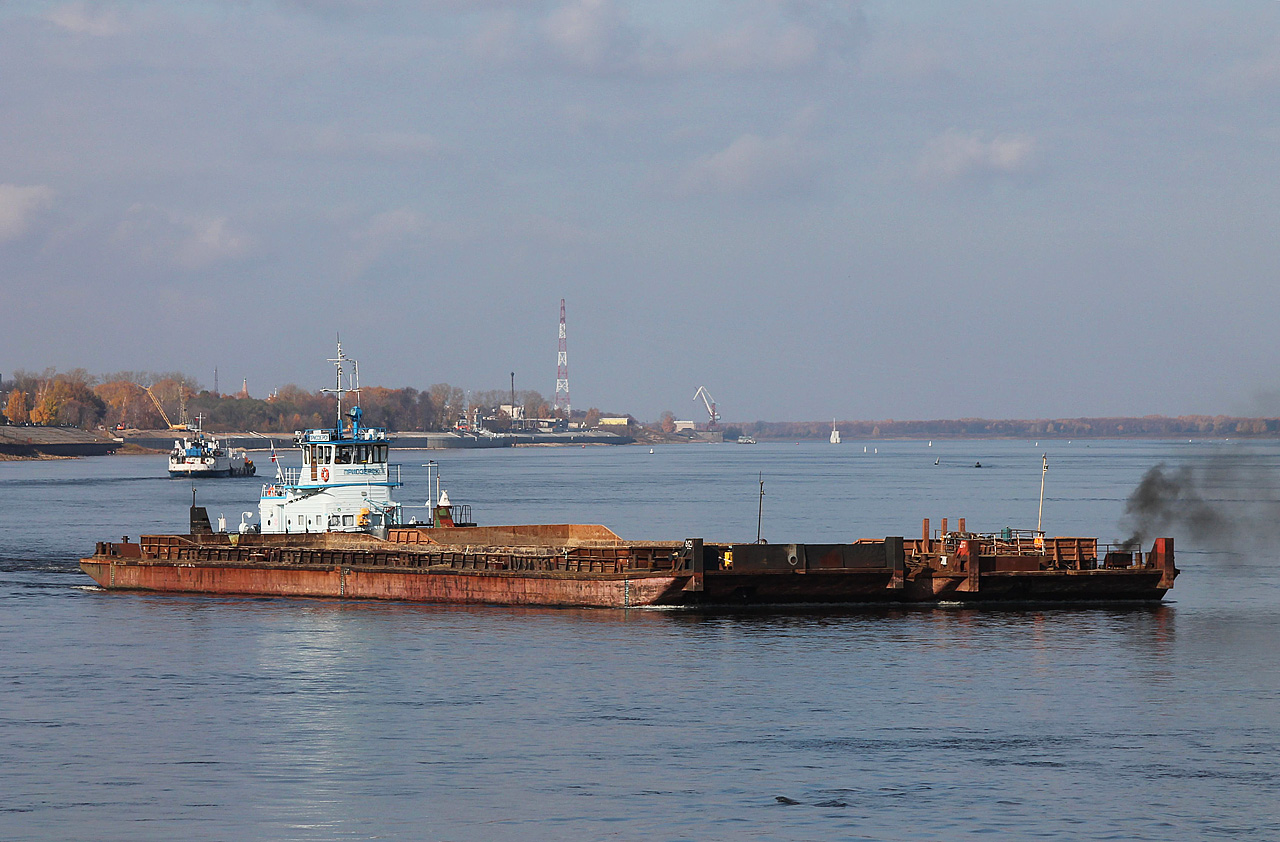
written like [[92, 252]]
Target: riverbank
[[37, 442]]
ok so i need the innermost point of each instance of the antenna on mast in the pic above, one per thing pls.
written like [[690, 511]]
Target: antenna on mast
[[353, 384]]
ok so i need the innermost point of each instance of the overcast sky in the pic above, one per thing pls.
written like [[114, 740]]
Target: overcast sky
[[866, 210]]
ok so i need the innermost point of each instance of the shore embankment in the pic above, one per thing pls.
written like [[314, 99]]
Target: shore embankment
[[29, 442]]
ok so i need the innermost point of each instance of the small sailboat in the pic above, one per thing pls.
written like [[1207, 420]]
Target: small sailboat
[[835, 434]]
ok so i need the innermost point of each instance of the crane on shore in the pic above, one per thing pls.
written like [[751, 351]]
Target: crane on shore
[[710, 403], [180, 427]]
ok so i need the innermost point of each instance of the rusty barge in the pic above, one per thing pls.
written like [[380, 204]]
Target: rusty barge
[[590, 566], [332, 528]]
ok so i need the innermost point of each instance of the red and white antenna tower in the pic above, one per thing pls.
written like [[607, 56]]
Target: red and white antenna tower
[[562, 369]]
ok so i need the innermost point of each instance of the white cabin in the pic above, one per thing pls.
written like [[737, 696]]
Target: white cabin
[[344, 484]]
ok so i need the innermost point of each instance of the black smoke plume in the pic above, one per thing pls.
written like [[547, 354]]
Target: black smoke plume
[[1225, 503]]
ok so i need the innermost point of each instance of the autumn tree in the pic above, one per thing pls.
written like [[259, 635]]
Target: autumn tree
[[127, 403], [16, 409], [69, 402]]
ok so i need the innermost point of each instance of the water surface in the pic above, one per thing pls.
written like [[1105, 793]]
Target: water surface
[[129, 716]]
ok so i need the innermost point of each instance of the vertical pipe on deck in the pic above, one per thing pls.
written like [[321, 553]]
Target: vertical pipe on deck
[[1162, 556]]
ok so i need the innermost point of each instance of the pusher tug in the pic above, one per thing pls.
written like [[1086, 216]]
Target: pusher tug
[[345, 482], [332, 529]]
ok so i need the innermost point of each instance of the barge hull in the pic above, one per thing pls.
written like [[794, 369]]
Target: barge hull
[[588, 566], [450, 587]]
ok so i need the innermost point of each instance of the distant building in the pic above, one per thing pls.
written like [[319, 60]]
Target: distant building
[[615, 422], [686, 426]]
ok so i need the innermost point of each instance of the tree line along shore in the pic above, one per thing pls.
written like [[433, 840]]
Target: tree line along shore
[[121, 401]]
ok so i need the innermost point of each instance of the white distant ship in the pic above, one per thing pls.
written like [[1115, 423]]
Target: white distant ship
[[835, 434], [202, 456]]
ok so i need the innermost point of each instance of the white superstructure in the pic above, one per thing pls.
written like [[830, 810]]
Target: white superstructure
[[345, 481]]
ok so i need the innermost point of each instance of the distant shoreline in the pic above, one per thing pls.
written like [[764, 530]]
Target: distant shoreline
[[1147, 427]]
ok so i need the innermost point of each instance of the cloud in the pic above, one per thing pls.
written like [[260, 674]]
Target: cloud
[[390, 227], [590, 33], [765, 35], [752, 165], [777, 37], [751, 46], [87, 19], [209, 240], [178, 240], [382, 234], [1259, 74], [955, 155], [19, 206]]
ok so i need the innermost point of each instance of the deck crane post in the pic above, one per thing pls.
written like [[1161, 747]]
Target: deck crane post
[[710, 403]]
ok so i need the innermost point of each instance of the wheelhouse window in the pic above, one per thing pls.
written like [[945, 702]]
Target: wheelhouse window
[[344, 455]]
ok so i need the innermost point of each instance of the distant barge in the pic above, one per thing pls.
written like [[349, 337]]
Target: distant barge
[[331, 528]]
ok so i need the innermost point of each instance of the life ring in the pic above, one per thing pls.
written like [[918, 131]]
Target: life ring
[[271, 491], [324, 474]]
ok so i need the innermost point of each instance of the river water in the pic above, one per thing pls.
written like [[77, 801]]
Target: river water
[[132, 716]]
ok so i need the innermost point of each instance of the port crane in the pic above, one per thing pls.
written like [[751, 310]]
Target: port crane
[[182, 426], [710, 403]]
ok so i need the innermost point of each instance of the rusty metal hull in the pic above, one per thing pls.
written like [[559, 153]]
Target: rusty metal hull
[[620, 591], [588, 566], [459, 587], [1040, 586]]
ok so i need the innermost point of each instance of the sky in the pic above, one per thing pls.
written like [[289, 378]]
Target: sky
[[815, 209]]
